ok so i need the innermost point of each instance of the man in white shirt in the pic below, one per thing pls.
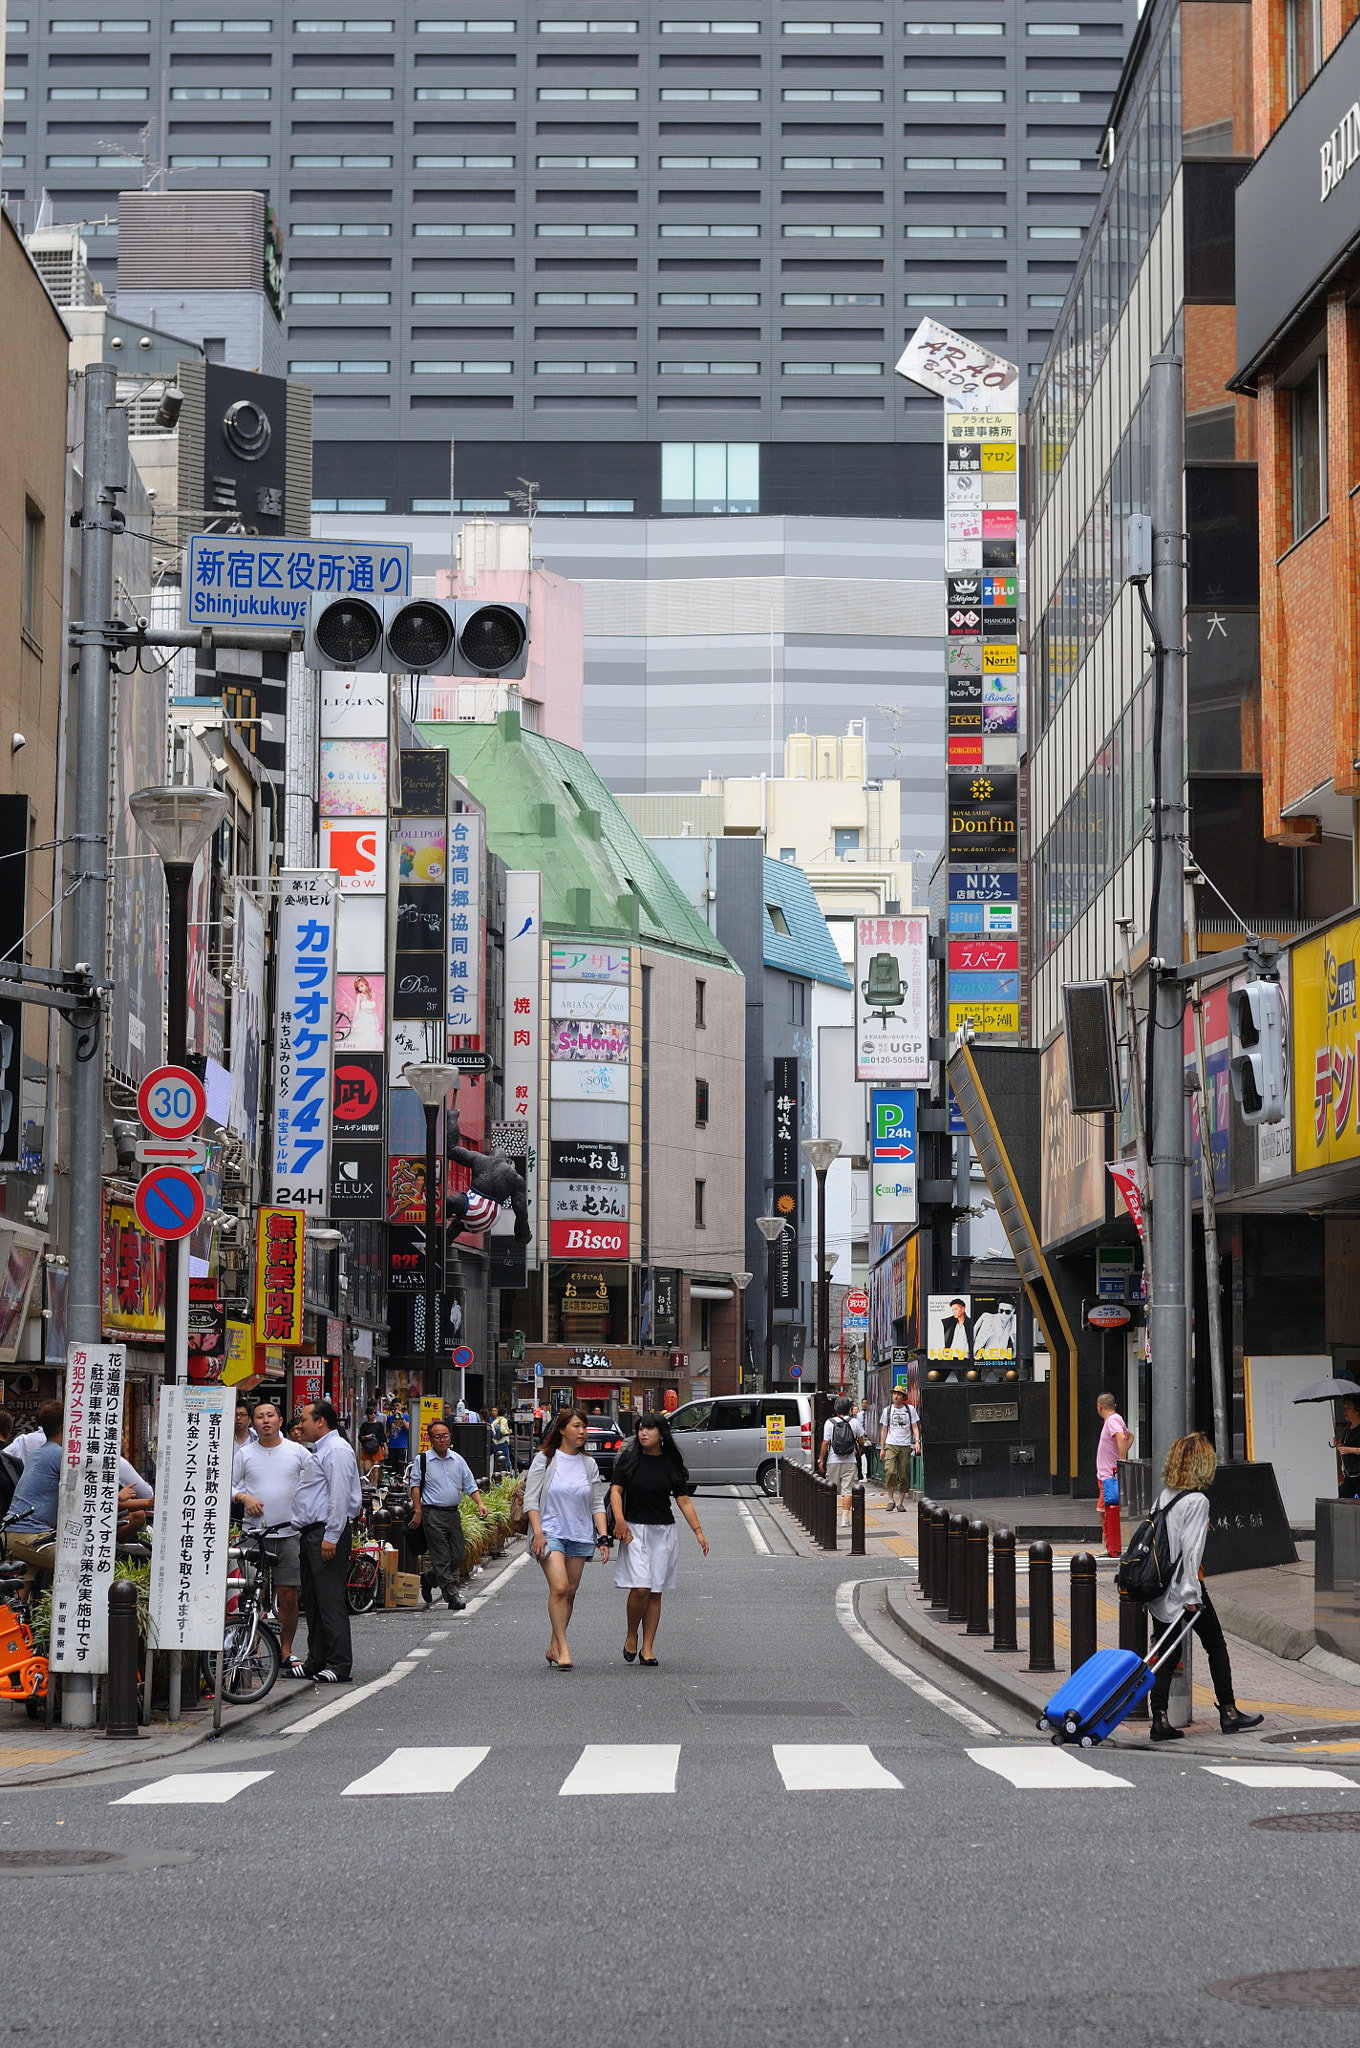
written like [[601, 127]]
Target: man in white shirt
[[328, 1498], [840, 1445], [265, 1473], [439, 1478], [899, 1434]]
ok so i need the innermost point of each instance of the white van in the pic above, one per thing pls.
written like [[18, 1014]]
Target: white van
[[723, 1441]]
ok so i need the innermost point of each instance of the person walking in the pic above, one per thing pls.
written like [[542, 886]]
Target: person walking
[[564, 1502], [899, 1434], [439, 1478], [265, 1476], [648, 1475], [500, 1440], [1346, 1444], [840, 1454], [328, 1498], [1187, 1475], [1116, 1441]]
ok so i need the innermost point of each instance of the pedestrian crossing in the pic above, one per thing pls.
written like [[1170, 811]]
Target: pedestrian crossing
[[640, 1769]]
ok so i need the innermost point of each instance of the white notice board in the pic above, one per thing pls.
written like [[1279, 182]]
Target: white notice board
[[1294, 1440], [193, 1496]]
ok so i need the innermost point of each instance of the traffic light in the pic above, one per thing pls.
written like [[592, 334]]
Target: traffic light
[[1259, 1080], [428, 636]]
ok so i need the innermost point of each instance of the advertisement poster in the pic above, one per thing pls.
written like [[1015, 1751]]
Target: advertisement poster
[[573, 1081], [575, 1038], [360, 1001], [207, 1331], [87, 1507], [891, 1024], [304, 1039], [994, 1319], [279, 1266], [406, 1188], [193, 1501], [133, 1274], [892, 1155], [419, 848], [1072, 1154], [353, 777], [352, 848], [894, 1301], [247, 1020], [1324, 1030], [1217, 1048], [354, 707]]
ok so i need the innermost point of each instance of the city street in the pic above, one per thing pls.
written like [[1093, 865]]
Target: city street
[[785, 1834]]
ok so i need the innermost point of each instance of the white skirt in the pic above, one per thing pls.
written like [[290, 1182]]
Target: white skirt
[[650, 1559]]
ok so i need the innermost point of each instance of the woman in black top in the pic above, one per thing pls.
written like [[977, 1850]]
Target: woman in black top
[[647, 1477], [1347, 1446]]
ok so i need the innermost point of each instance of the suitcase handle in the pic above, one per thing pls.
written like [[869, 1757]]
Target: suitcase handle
[[1171, 1642]]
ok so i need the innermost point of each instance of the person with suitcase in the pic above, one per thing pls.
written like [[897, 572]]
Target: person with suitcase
[[1187, 1475]]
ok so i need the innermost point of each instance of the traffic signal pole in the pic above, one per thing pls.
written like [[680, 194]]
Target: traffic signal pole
[[1218, 1381]]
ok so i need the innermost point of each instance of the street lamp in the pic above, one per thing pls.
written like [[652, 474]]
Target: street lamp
[[432, 1082], [771, 1229], [179, 821], [819, 1153], [741, 1281]]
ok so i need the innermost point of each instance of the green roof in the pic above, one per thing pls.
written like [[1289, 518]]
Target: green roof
[[546, 808], [806, 946]]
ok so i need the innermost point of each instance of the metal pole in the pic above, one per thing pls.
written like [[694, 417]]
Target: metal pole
[[1167, 1322], [431, 1228], [821, 1406], [178, 876], [1136, 1100], [99, 518], [1218, 1384], [769, 1317]]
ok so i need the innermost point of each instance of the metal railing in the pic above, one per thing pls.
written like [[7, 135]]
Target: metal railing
[[811, 1500]]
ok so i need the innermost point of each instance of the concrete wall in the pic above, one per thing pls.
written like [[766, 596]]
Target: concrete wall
[[679, 1152]]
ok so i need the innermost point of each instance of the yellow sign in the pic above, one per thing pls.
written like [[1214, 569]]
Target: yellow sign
[[431, 1410], [1000, 656], [1323, 1026], [987, 1017], [278, 1275], [998, 458], [240, 1360], [774, 1435], [982, 426]]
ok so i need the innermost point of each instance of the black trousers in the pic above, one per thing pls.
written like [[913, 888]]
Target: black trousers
[[323, 1602], [1209, 1629]]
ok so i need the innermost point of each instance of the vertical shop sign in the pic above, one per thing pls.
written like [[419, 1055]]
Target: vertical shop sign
[[784, 1180], [278, 1276], [193, 1497], [524, 1024], [87, 1507], [465, 924], [304, 1039]]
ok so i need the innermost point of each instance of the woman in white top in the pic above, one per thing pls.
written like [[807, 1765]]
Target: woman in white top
[[564, 1503], [1187, 1476]]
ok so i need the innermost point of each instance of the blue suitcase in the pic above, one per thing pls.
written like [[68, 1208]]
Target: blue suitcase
[[1104, 1690]]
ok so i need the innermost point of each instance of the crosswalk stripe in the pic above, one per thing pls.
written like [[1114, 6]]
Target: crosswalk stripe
[[610, 1767], [1032, 1769], [419, 1770], [192, 1788], [1278, 1777], [832, 1767]]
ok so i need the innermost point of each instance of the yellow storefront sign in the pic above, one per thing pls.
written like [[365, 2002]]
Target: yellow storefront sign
[[998, 457], [1323, 1028], [1000, 657], [989, 1017]]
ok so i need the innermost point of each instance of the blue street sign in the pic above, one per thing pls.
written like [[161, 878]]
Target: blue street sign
[[242, 581], [169, 1202]]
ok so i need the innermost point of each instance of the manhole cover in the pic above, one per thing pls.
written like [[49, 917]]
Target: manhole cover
[[1294, 1990], [84, 1862], [812, 1710], [1310, 1823]]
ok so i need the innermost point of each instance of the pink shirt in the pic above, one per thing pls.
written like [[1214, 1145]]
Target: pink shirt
[[1107, 1450]]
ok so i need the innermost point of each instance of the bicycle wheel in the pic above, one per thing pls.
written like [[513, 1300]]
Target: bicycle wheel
[[252, 1663], [361, 1590]]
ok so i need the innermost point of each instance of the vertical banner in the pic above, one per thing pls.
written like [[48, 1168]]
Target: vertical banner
[[892, 1014], [892, 1155], [87, 1507], [247, 1022], [193, 1499], [784, 1159], [304, 1039], [465, 924], [279, 1264], [524, 1026]]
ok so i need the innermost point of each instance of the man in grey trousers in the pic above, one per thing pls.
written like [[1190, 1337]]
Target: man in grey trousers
[[327, 1500], [439, 1479]]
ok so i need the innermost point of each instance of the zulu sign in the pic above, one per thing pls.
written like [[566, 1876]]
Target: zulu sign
[[982, 816]]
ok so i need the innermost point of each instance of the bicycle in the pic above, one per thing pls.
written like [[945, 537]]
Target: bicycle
[[365, 1566], [251, 1654]]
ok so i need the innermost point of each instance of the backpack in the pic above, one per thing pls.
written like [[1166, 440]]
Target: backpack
[[1146, 1568], [842, 1438]]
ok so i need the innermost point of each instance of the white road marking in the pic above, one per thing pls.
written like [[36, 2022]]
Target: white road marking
[[752, 1531], [495, 1586], [420, 1653], [832, 1767], [420, 1771], [922, 1687], [350, 1697], [1033, 1769], [438, 1635], [192, 1788], [610, 1767], [1271, 1777]]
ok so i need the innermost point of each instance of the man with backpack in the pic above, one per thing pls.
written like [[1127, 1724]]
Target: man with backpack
[[840, 1447], [439, 1479]]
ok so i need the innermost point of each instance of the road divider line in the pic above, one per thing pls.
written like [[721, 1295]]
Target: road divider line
[[752, 1531], [922, 1687], [494, 1587], [349, 1699]]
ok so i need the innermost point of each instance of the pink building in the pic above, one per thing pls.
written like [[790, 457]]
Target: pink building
[[494, 562]]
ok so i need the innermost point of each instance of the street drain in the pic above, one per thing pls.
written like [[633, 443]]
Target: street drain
[[84, 1862], [1294, 1990], [812, 1710], [1310, 1823]]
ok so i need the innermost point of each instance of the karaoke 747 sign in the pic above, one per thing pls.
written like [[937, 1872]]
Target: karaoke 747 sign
[[169, 1200]]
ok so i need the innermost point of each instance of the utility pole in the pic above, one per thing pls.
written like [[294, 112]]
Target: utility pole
[[1218, 1381], [1167, 1323]]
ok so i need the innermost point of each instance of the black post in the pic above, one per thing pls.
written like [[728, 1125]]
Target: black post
[[1133, 1635], [1003, 1590], [769, 1317], [1041, 1607], [120, 1695], [178, 876], [433, 1209], [829, 1500], [857, 1520], [925, 1545], [1083, 1608], [958, 1567], [821, 1401], [978, 1597], [939, 1569]]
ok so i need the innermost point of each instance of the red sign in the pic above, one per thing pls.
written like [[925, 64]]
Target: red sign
[[356, 1092], [309, 1381], [171, 1102], [355, 851], [1125, 1179], [278, 1276], [588, 1240], [168, 1202], [989, 956], [1108, 1315], [965, 750], [857, 1304]]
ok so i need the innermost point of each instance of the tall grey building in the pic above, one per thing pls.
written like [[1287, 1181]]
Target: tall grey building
[[659, 260]]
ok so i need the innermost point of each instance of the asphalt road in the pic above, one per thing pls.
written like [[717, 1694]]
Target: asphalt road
[[532, 1896]]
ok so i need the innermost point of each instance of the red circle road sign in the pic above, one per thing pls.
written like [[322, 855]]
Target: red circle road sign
[[171, 1102], [857, 1304], [168, 1202]]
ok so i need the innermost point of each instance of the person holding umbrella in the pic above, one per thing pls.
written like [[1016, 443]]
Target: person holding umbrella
[[1346, 1444]]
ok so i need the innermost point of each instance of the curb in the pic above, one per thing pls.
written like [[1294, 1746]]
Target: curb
[[969, 1665], [114, 1756]]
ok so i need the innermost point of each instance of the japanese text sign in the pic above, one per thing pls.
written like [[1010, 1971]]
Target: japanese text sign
[[304, 1038], [278, 1276], [193, 1497], [87, 1507], [233, 579]]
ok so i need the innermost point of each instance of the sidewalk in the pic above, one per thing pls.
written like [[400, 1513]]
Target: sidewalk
[[33, 1755]]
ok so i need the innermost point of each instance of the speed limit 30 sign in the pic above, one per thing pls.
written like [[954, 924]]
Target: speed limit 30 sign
[[171, 1102]]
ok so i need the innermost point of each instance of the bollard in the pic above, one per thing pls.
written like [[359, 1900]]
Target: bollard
[[925, 1546], [1083, 1608], [1041, 1607], [857, 1521], [120, 1687], [939, 1568], [1133, 1631], [1003, 1590], [979, 1622], [958, 1567]]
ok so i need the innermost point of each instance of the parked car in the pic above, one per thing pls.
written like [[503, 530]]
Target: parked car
[[723, 1441], [604, 1441]]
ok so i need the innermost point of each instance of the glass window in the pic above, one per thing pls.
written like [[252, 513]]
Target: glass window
[[708, 477], [699, 1193], [701, 1102], [788, 1409], [737, 1415], [695, 1415], [1302, 44], [32, 572]]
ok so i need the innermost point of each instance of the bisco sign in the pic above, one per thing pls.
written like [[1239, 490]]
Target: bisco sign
[[588, 1240]]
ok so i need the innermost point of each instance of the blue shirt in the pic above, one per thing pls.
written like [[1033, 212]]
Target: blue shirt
[[446, 1479], [328, 1489], [34, 1505]]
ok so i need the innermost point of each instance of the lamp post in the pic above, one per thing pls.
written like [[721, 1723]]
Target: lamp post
[[819, 1153], [741, 1281], [771, 1229], [179, 821], [432, 1082]]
